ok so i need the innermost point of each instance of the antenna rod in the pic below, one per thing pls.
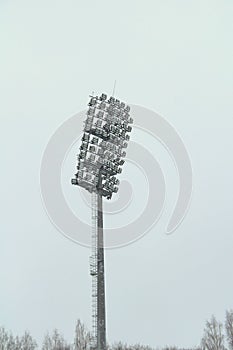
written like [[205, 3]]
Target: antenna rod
[[114, 88]]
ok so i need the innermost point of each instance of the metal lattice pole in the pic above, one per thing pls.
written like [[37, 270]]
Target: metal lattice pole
[[101, 332], [98, 276], [94, 270]]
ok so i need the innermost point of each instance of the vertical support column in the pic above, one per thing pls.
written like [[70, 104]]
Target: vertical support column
[[93, 270], [101, 332]]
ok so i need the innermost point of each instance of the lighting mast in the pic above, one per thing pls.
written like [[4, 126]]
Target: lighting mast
[[103, 146]]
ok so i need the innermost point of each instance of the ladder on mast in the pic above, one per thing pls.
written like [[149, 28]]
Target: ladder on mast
[[94, 269]]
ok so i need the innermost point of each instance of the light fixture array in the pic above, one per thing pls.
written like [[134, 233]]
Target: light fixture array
[[105, 138]]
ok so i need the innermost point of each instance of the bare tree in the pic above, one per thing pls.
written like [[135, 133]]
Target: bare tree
[[55, 342], [82, 338], [6, 340], [213, 338], [229, 328], [27, 342], [11, 343], [47, 343], [124, 346], [3, 338], [119, 346], [17, 343]]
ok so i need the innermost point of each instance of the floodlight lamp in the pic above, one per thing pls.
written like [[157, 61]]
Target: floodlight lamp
[[91, 112], [102, 106], [92, 149], [103, 97], [94, 140], [85, 137], [92, 101], [74, 181], [98, 123], [91, 158], [82, 154], [100, 114]]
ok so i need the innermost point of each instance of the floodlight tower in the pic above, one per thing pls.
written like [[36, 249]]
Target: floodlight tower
[[104, 139]]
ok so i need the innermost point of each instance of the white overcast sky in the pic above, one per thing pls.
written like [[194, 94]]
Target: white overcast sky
[[172, 56]]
